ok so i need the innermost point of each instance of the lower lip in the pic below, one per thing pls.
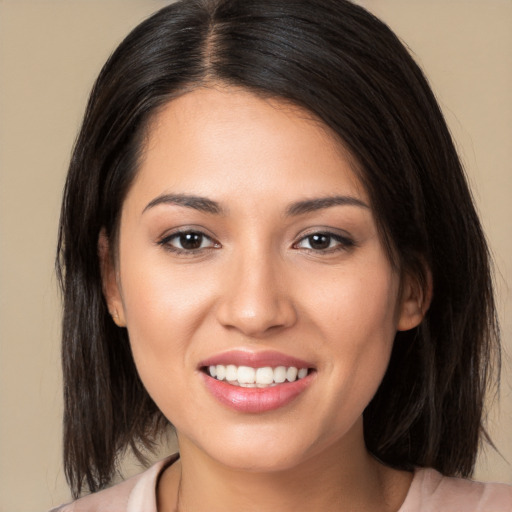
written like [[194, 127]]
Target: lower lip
[[256, 400]]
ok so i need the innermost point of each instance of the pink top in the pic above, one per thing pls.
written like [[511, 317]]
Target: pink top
[[429, 492]]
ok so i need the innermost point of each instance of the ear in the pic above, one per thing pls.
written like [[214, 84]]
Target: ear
[[415, 301], [109, 280]]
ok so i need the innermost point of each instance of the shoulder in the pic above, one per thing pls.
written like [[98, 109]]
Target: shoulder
[[134, 494], [432, 492]]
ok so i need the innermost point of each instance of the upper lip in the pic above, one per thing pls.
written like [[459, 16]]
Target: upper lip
[[255, 359]]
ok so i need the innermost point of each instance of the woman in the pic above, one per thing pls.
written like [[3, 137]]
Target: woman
[[268, 242]]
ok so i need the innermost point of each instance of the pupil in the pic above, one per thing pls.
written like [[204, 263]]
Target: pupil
[[319, 241], [191, 240]]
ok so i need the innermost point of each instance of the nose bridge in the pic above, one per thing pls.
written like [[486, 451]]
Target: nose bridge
[[255, 299]]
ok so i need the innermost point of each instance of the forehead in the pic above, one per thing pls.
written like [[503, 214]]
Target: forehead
[[221, 141]]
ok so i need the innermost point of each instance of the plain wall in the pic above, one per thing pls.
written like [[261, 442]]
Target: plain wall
[[50, 53]]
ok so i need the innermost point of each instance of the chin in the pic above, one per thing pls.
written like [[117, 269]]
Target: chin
[[260, 460], [261, 450]]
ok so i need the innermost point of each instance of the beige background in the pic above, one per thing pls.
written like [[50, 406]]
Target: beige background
[[50, 52]]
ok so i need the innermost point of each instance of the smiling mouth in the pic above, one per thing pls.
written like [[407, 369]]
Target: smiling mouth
[[263, 377]]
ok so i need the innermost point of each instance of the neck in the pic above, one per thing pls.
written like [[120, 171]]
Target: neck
[[343, 477]]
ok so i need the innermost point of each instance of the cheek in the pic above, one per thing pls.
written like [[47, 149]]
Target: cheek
[[357, 305], [355, 313], [164, 308], [160, 299], [161, 321]]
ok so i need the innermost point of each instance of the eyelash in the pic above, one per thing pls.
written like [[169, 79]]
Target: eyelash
[[343, 242], [166, 242]]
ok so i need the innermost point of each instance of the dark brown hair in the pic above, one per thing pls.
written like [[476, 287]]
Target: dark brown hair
[[346, 67]]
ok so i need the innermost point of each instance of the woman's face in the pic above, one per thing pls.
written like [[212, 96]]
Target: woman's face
[[248, 247]]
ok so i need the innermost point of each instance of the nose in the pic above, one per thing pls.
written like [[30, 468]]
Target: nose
[[256, 299]]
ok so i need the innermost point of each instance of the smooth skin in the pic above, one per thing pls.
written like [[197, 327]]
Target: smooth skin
[[265, 259]]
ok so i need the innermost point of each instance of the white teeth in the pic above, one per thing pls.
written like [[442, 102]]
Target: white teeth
[[280, 374], [291, 374], [231, 372], [245, 376], [220, 370], [302, 373], [264, 376]]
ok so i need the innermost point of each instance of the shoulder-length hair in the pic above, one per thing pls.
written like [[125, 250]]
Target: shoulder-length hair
[[346, 67]]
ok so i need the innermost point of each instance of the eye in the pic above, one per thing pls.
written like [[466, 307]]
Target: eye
[[187, 242], [324, 242]]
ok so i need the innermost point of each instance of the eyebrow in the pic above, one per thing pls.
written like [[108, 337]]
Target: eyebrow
[[312, 205], [206, 205], [195, 202]]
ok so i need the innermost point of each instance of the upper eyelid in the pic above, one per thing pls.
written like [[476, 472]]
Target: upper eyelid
[[177, 234], [340, 238], [341, 235], [345, 240], [165, 243], [337, 233], [186, 229]]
